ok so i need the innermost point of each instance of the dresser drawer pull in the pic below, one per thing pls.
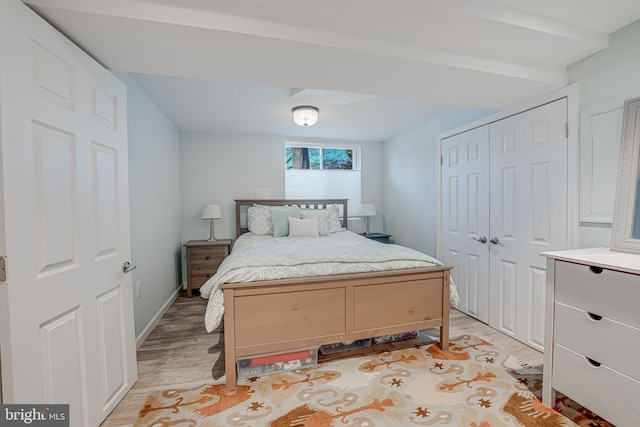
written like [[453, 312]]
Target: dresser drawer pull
[[595, 270], [592, 362], [593, 316], [207, 257]]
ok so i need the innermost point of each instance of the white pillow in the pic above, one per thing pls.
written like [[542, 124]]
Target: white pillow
[[303, 227], [323, 219]]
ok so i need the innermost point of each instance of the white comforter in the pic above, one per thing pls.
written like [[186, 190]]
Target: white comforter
[[256, 258]]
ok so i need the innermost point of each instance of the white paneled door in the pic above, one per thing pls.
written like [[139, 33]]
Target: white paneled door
[[504, 200], [465, 219], [67, 323], [528, 215]]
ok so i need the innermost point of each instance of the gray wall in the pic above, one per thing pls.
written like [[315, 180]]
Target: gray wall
[[410, 168], [410, 163], [219, 168], [609, 74], [154, 181]]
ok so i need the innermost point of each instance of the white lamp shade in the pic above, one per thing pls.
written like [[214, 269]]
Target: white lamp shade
[[305, 115], [367, 209], [211, 212]]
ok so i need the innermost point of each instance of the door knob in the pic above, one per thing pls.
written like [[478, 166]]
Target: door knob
[[127, 267], [481, 239], [494, 240]]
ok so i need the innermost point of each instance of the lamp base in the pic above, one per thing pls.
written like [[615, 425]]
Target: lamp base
[[211, 237], [367, 231]]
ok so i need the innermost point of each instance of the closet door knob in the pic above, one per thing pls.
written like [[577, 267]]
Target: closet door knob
[[494, 240], [481, 239]]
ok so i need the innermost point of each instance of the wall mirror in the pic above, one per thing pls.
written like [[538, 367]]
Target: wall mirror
[[626, 218]]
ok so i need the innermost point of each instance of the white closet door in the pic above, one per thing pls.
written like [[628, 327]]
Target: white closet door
[[528, 215], [465, 217], [67, 335]]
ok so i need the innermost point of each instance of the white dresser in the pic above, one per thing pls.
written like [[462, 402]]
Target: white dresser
[[592, 332]]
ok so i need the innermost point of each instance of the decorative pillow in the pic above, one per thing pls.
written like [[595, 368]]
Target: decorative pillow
[[328, 219], [259, 220], [322, 216], [303, 227], [334, 218], [280, 221]]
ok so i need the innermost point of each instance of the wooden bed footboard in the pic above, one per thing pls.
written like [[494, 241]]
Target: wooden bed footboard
[[293, 314]]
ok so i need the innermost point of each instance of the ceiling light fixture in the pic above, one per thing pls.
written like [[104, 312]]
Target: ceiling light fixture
[[305, 115]]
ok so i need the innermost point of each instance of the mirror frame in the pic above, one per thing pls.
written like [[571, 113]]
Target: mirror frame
[[621, 236]]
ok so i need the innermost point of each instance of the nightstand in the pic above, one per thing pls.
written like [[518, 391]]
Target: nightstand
[[203, 259], [380, 237]]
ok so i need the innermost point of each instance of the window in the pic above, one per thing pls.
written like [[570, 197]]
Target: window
[[322, 156], [315, 170]]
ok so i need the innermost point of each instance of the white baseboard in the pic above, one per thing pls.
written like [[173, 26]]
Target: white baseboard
[[156, 319]]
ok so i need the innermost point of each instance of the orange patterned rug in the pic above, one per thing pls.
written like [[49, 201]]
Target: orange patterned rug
[[474, 385]]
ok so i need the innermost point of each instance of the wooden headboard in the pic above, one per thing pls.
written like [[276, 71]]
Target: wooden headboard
[[302, 203]]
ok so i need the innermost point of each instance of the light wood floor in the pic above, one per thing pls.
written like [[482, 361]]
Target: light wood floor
[[179, 353]]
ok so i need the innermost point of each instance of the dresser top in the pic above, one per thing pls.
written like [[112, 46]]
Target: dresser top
[[599, 257]]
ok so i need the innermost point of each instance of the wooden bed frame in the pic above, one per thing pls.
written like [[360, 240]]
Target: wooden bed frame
[[294, 314]]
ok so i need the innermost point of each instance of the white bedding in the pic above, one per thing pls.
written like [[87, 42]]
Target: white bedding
[[256, 258]]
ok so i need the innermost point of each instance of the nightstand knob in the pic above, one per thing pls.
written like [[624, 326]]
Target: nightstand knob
[[207, 257]]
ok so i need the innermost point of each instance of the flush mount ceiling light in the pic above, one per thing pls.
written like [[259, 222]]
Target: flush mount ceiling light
[[305, 115]]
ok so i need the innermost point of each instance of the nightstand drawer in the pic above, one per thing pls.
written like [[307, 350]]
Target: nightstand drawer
[[610, 343], [210, 254], [608, 293], [204, 269], [197, 280]]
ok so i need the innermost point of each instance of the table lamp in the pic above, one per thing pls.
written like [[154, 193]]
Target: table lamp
[[211, 212], [367, 210]]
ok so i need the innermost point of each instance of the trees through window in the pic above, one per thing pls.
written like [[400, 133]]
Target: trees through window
[[321, 156]]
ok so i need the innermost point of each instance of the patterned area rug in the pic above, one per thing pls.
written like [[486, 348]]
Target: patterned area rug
[[474, 384]]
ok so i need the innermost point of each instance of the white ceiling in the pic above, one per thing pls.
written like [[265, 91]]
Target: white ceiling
[[231, 65]]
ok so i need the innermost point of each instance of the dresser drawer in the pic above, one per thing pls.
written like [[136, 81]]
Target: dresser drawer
[[611, 343], [601, 389], [607, 293]]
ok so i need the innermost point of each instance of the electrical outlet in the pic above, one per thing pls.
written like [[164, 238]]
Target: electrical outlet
[[139, 289]]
